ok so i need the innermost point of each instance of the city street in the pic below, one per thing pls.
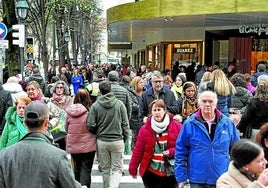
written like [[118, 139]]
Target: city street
[[126, 182]]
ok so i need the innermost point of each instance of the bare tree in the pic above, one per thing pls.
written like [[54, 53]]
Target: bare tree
[[9, 18]]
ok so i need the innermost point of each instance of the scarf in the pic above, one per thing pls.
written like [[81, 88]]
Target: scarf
[[58, 98], [160, 127], [21, 127], [189, 105], [178, 90]]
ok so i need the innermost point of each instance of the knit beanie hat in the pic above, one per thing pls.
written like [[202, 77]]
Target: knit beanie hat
[[182, 77], [261, 67], [243, 152]]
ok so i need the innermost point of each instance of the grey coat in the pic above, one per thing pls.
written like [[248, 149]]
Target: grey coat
[[35, 162]]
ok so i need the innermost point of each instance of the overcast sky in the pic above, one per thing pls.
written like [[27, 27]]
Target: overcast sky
[[110, 3]]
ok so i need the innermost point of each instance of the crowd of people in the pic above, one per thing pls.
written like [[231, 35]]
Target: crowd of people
[[194, 117]]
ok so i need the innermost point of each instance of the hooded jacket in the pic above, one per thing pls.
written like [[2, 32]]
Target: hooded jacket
[[108, 119], [78, 139], [197, 157], [15, 90]]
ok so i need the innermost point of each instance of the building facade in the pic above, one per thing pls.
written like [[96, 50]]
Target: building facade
[[159, 32]]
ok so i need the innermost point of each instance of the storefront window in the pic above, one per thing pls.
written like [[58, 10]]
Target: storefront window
[[259, 52], [186, 53]]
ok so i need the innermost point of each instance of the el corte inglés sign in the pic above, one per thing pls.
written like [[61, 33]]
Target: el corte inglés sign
[[253, 29]]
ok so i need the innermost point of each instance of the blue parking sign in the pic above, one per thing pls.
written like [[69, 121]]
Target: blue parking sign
[[3, 30]]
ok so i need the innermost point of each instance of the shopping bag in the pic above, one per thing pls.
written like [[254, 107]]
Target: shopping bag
[[58, 132]]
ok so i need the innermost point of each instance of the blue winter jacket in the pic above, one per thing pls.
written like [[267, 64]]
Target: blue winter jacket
[[197, 157]]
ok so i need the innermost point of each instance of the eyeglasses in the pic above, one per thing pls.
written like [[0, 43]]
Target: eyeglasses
[[158, 81]]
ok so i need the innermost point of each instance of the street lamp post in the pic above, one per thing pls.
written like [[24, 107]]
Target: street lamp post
[[22, 12]]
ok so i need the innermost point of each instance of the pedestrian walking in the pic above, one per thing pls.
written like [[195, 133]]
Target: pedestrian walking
[[155, 145], [80, 143], [34, 161], [108, 119], [203, 145]]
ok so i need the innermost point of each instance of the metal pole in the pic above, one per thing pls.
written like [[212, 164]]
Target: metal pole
[[54, 46], [22, 63]]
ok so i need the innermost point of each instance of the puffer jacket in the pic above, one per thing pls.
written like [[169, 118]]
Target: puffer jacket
[[78, 139], [241, 98], [144, 148]]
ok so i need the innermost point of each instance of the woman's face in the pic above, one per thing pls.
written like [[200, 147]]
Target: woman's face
[[20, 108], [158, 113], [140, 85], [32, 92], [132, 74], [59, 89], [257, 165], [190, 92], [178, 81]]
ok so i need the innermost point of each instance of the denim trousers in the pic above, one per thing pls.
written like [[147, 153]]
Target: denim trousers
[[111, 162], [83, 163], [197, 185]]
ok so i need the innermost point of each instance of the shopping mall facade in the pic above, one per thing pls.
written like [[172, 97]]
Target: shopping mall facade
[[159, 32]]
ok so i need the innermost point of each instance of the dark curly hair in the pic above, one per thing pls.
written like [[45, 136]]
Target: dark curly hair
[[238, 79]]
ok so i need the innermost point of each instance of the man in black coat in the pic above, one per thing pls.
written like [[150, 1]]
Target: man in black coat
[[5, 103], [157, 91]]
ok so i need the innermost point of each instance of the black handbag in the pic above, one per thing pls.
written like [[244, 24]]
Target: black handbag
[[248, 131], [169, 166]]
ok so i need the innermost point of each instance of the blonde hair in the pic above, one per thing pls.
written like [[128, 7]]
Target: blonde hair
[[36, 85], [134, 82], [222, 85], [206, 76]]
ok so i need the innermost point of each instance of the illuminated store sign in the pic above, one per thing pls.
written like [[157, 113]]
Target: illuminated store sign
[[253, 29], [185, 50]]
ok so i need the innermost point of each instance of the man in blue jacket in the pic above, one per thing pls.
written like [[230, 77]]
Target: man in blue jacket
[[202, 147]]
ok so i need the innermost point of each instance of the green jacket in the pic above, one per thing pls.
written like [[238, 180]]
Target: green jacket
[[108, 119], [11, 133]]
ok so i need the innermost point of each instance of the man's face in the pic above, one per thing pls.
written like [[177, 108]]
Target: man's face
[[207, 104], [157, 83]]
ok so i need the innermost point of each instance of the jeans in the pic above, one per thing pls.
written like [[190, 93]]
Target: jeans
[[196, 185], [83, 163], [111, 162]]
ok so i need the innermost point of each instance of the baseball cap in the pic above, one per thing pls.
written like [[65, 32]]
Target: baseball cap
[[36, 111]]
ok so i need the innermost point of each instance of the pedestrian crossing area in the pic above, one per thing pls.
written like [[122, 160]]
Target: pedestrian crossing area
[[126, 181]]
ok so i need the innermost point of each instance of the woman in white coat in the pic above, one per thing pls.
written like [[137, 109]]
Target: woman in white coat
[[247, 168]]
